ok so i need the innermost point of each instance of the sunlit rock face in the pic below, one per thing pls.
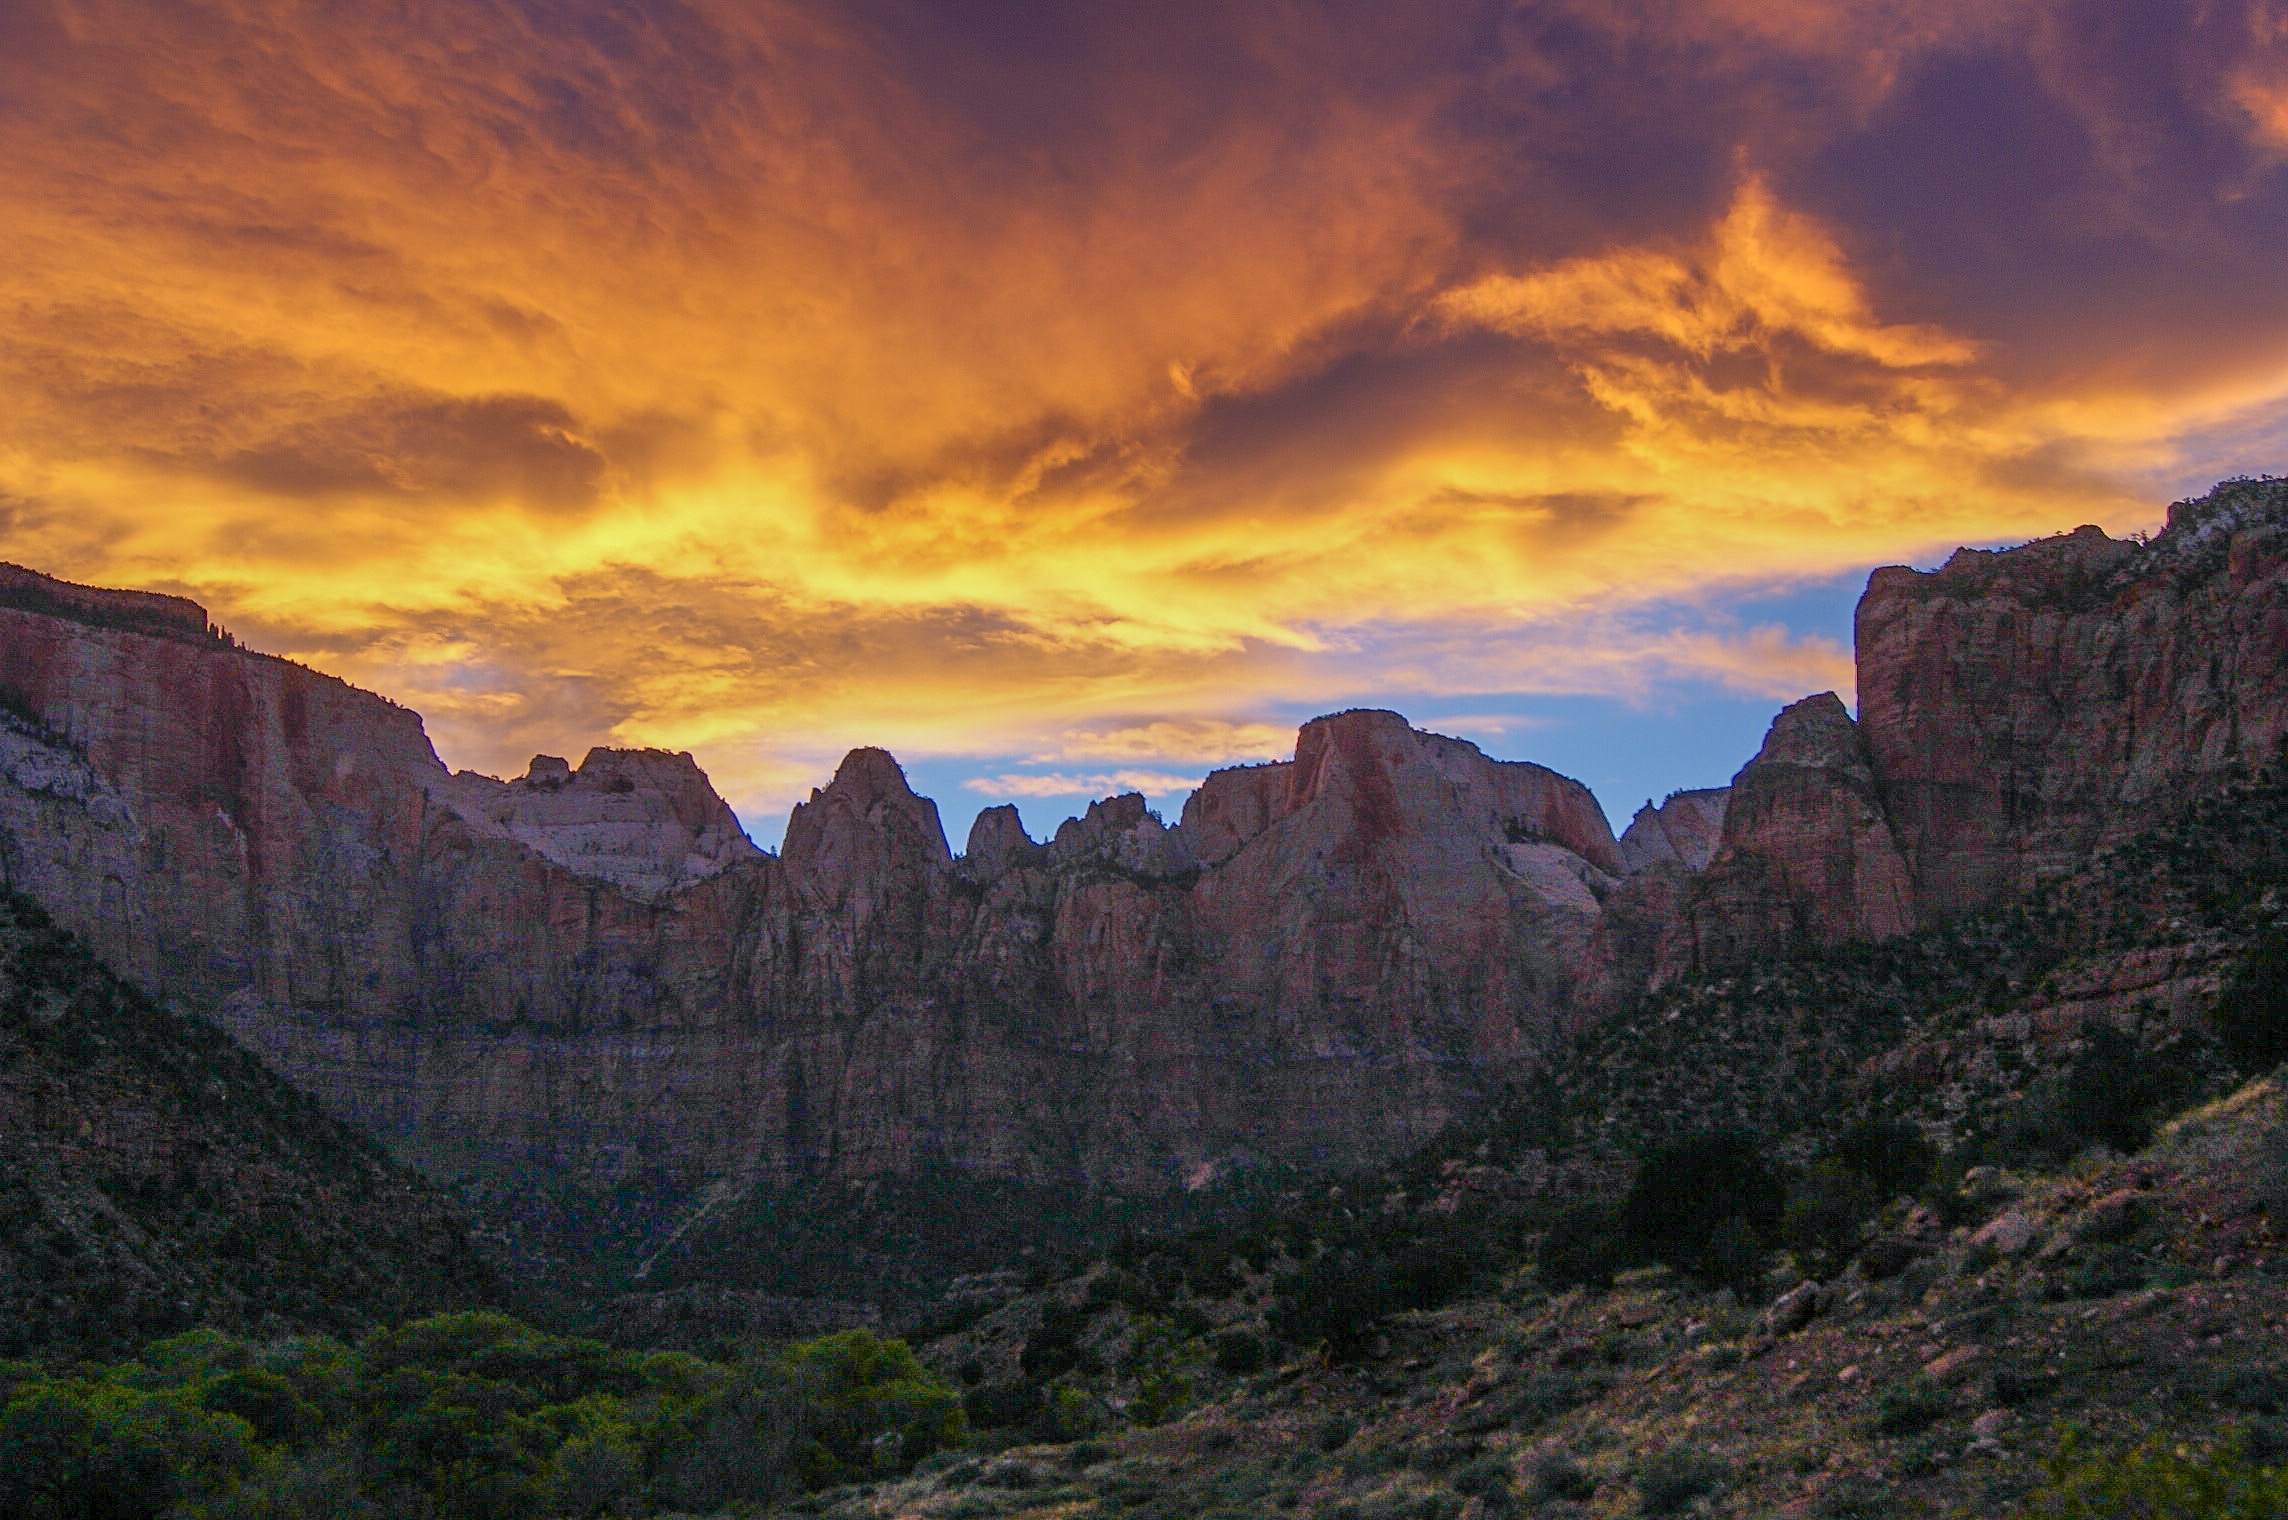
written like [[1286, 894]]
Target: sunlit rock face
[[592, 968], [643, 819], [1683, 832], [1805, 857], [1323, 960], [2017, 710]]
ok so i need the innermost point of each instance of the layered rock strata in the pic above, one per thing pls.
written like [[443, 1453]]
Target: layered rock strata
[[592, 968], [2018, 710]]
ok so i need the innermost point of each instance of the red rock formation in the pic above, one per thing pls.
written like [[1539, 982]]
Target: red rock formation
[[1323, 961], [2023, 707], [1683, 831], [643, 819], [593, 969], [1806, 857]]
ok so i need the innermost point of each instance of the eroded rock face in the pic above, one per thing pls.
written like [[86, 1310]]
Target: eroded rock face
[[1683, 832], [1806, 856], [2022, 708], [2019, 710], [643, 819], [591, 968]]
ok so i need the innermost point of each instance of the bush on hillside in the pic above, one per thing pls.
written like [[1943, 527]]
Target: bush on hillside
[[2157, 1481], [1580, 1249], [1708, 1205], [1892, 1154], [2252, 1009], [1339, 1296], [460, 1415], [2113, 1093], [1830, 1212]]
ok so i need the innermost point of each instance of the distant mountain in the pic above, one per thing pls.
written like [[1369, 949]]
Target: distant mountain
[[154, 1176]]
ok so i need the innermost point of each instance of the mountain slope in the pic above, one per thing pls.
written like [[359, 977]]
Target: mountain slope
[[154, 1176]]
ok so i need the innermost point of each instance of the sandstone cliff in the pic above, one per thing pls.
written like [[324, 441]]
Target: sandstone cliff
[[2019, 710], [2022, 708], [593, 969]]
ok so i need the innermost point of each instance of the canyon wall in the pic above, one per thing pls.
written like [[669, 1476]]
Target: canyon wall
[[2018, 710], [591, 969]]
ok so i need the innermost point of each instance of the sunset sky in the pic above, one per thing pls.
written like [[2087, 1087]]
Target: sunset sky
[[1071, 398]]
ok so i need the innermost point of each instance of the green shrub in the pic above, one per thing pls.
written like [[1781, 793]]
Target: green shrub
[[1581, 1249], [2252, 1008], [2103, 1271], [1238, 1352], [1555, 1475], [1890, 1153], [874, 1407], [1669, 1481], [1856, 1499], [1910, 1406], [1541, 1397], [1340, 1296], [1708, 1205], [95, 1450], [2156, 1481], [1828, 1215]]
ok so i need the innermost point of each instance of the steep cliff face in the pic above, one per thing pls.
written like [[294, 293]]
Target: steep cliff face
[[644, 820], [2023, 707], [2019, 710], [1683, 831], [593, 969], [1806, 856]]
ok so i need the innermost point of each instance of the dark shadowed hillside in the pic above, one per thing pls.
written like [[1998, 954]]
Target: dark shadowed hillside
[[154, 1176]]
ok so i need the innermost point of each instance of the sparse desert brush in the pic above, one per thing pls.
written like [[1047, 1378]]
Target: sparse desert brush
[[2157, 1481]]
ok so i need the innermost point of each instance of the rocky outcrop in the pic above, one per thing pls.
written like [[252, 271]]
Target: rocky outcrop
[[1683, 832], [643, 819], [2022, 708], [1806, 856], [2019, 710], [592, 968]]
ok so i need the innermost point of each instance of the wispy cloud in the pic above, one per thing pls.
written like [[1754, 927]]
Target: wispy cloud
[[1105, 784]]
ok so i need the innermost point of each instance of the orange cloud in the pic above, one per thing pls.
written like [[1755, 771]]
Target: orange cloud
[[759, 381]]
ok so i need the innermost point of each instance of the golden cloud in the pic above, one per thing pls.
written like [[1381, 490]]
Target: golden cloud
[[743, 379]]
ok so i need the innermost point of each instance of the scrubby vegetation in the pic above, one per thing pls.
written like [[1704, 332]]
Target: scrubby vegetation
[[155, 1176], [461, 1415]]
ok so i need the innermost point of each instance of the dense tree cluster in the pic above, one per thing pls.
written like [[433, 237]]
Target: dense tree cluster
[[460, 1415]]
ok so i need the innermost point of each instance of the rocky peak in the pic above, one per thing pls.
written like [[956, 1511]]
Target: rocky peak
[[1806, 857], [1683, 831], [997, 843], [865, 825], [1816, 732], [644, 820], [1125, 834], [1232, 806]]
